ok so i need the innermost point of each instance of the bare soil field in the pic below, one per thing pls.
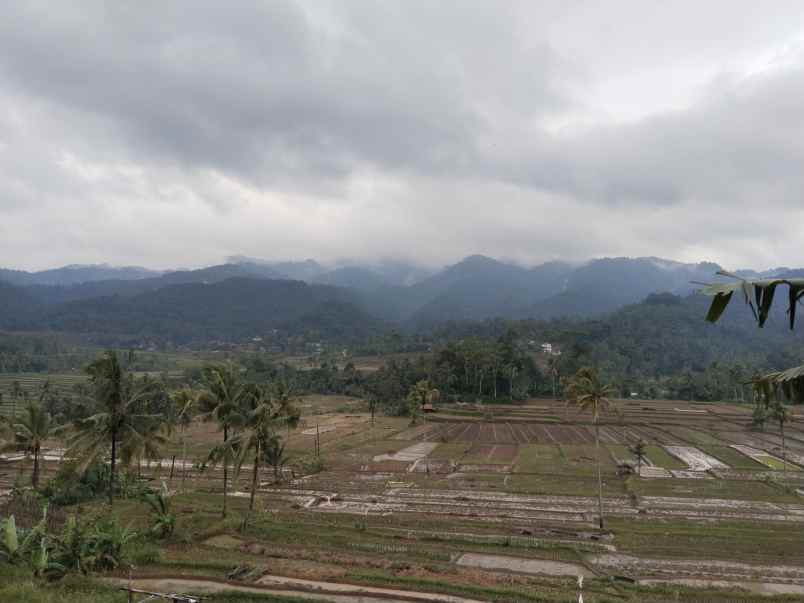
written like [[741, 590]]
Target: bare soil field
[[505, 509]]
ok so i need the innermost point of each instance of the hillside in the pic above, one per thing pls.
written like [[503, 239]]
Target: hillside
[[234, 309], [475, 288], [75, 274]]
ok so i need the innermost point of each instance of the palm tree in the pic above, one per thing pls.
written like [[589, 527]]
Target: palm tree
[[275, 456], [31, 430], [179, 417], [222, 402], [591, 394], [779, 411], [373, 403], [17, 394], [124, 420], [638, 450], [554, 365], [265, 410]]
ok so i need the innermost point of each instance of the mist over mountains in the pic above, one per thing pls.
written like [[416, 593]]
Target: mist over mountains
[[247, 296]]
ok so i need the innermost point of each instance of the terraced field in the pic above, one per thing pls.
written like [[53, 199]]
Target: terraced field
[[468, 505], [30, 387]]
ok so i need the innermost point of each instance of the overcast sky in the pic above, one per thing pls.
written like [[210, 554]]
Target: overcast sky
[[177, 133]]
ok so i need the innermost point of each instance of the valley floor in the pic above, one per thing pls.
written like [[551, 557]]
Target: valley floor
[[494, 503]]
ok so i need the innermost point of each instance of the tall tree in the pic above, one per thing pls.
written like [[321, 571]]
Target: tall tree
[[223, 402], [123, 423], [590, 394], [31, 430], [780, 413], [183, 403], [554, 365], [265, 411]]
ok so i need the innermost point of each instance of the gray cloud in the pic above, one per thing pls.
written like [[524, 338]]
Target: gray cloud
[[182, 133]]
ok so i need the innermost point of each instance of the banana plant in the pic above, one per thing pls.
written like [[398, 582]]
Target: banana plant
[[164, 519], [16, 546], [73, 550], [41, 563], [110, 539], [757, 293]]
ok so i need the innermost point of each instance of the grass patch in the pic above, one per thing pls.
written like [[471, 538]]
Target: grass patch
[[538, 458], [752, 542], [777, 464], [712, 488], [661, 458], [564, 485], [732, 457]]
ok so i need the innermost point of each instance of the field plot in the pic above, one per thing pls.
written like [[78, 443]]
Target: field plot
[[695, 459], [496, 510], [520, 433], [733, 458], [762, 457], [16, 388]]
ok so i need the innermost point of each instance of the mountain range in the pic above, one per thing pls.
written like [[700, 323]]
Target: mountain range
[[247, 296]]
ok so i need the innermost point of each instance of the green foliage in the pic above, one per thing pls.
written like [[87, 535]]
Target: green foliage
[[223, 401], [31, 429], [126, 417], [639, 449], [71, 486], [110, 540], [18, 545], [164, 520], [311, 465], [74, 547], [275, 457]]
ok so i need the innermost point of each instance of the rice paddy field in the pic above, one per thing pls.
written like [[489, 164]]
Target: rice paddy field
[[500, 507]]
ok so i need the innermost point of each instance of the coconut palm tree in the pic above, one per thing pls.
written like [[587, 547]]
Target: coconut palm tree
[[31, 429], [265, 410], [275, 456], [590, 394], [223, 402], [179, 417], [780, 412], [124, 422], [638, 450]]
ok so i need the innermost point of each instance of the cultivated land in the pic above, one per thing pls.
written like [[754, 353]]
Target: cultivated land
[[494, 503]]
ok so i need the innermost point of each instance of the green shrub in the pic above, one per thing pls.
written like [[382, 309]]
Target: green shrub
[[144, 553]]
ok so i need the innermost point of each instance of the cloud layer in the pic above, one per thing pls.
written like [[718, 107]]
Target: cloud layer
[[179, 134]]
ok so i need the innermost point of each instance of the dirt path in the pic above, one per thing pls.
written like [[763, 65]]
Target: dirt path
[[280, 585]]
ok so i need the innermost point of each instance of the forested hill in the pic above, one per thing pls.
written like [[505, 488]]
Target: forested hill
[[237, 302], [475, 288], [235, 309], [661, 336]]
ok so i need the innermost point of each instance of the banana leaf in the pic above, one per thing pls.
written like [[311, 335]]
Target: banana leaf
[[757, 293]]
